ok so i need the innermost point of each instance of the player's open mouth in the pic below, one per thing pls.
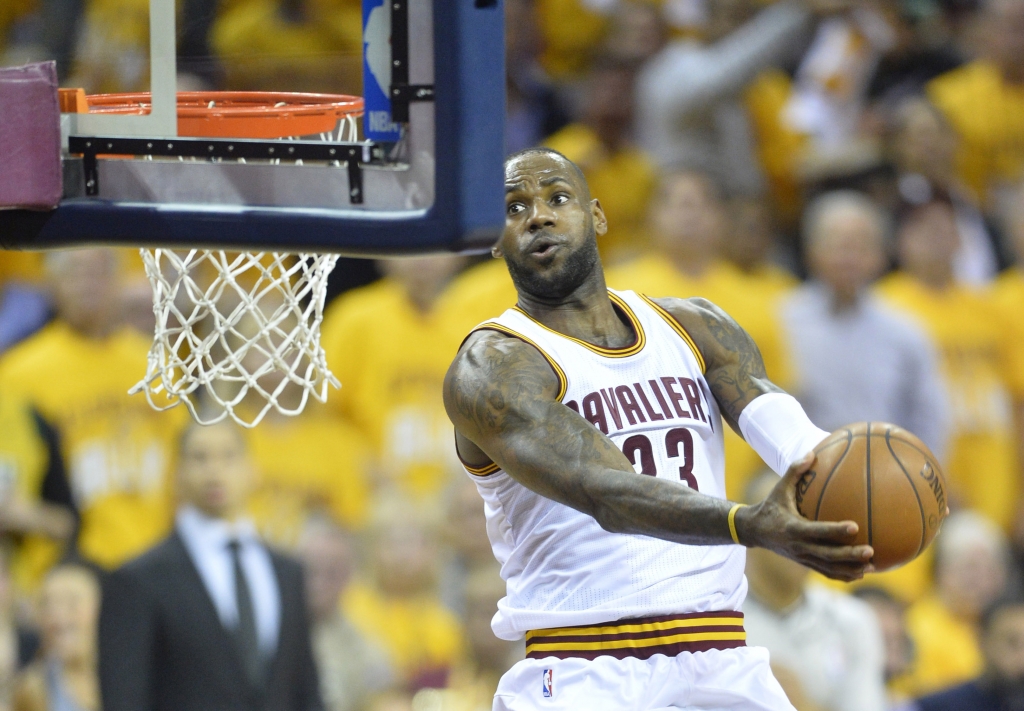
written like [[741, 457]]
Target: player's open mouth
[[543, 248]]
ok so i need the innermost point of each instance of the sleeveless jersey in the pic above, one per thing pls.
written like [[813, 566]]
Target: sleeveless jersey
[[561, 568]]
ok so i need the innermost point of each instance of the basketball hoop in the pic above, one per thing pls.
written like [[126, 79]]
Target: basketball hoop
[[239, 333], [247, 114]]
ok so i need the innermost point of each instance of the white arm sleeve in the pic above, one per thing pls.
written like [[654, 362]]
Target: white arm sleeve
[[778, 429]]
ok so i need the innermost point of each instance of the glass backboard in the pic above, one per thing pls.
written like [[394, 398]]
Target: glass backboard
[[351, 126]]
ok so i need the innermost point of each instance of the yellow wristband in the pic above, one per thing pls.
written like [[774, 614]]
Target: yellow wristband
[[732, 522]]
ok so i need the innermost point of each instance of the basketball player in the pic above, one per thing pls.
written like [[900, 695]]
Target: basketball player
[[591, 422]]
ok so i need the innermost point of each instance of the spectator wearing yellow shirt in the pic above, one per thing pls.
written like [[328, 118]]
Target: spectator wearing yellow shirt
[[396, 607], [984, 100], [481, 292], [687, 225], [974, 358], [621, 176], [309, 464], [1001, 685], [390, 345], [37, 514], [76, 372], [571, 32], [313, 463], [970, 573]]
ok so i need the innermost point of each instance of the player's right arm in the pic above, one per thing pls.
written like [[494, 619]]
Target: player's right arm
[[501, 395]]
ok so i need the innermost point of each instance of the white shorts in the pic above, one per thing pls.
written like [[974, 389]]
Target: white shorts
[[737, 679]]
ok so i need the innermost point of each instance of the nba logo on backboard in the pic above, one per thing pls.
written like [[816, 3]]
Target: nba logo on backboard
[[548, 676], [377, 123]]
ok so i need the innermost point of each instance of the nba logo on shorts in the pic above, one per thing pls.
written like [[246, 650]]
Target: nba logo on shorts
[[548, 676]]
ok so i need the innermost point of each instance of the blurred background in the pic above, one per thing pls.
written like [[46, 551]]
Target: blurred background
[[844, 177]]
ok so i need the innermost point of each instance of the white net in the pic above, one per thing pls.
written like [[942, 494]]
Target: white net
[[237, 334]]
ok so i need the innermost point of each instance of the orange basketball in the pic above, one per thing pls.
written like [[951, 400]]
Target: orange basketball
[[885, 479]]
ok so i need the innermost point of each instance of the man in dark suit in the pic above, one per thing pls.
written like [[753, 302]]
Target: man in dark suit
[[210, 619]]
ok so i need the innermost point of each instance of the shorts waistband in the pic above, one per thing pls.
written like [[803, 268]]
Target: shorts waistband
[[640, 637]]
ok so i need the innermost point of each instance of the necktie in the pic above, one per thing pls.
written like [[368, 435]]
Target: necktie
[[245, 632]]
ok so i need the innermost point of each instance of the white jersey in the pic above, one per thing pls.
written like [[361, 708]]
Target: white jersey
[[561, 568]]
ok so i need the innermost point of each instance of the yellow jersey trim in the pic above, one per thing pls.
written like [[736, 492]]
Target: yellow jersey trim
[[678, 328], [636, 347], [634, 628], [485, 470], [740, 635], [563, 386], [643, 637], [563, 382]]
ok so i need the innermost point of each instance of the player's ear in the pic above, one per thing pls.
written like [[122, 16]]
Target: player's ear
[[600, 221], [496, 251]]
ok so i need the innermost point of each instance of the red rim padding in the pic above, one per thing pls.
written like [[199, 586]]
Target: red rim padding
[[241, 114]]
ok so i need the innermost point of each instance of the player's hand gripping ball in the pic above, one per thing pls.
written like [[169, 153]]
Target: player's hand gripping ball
[[885, 479]]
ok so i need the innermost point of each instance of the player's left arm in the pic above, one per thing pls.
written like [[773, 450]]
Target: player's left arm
[[775, 426], [734, 367]]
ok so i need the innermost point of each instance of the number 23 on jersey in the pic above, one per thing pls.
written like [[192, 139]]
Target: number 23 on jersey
[[639, 449]]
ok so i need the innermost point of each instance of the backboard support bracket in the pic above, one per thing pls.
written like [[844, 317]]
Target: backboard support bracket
[[403, 94], [354, 155]]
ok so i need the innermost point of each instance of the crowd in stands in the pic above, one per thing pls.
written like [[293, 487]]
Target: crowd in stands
[[843, 177]]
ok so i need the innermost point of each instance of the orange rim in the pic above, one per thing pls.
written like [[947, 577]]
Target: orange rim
[[241, 114]]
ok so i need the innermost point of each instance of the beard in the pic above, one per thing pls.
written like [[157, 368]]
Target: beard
[[558, 284]]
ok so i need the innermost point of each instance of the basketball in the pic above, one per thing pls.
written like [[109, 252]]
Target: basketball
[[885, 479]]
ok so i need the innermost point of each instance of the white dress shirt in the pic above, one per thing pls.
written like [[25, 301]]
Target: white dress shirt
[[206, 540], [869, 362], [830, 641]]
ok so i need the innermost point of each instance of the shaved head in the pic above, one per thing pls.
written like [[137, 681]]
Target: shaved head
[[544, 150]]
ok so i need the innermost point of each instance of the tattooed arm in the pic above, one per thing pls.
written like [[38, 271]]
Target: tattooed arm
[[735, 371], [501, 395]]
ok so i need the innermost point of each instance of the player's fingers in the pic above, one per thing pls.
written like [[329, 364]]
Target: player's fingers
[[855, 564], [841, 575], [860, 555], [839, 571], [828, 531]]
